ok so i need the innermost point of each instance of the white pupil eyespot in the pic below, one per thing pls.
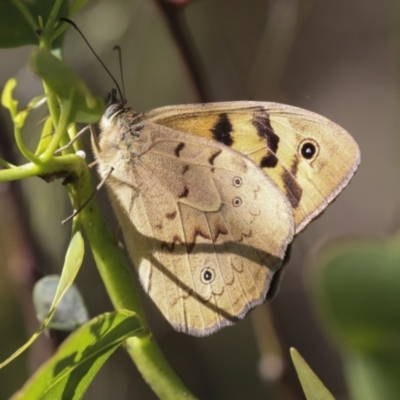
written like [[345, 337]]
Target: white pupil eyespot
[[207, 275]]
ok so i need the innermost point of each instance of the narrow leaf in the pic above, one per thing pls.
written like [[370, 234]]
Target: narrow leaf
[[313, 388]]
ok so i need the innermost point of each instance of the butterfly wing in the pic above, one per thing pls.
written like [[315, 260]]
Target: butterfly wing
[[308, 156], [205, 227]]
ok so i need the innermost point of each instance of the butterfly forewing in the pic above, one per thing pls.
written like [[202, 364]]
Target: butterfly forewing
[[308, 156]]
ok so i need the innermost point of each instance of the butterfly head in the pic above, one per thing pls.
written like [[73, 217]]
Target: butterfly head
[[123, 135]]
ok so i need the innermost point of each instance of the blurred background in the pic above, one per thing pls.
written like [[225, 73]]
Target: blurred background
[[339, 59]]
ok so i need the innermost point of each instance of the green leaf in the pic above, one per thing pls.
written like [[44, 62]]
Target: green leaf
[[73, 261], [69, 372], [313, 388], [7, 99], [356, 290], [68, 86], [356, 286], [8, 102], [19, 20]]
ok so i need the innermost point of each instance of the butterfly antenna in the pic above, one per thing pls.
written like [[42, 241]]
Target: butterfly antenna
[[95, 54], [121, 72]]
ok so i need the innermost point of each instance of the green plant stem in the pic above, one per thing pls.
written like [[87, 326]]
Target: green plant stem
[[6, 164], [155, 369], [24, 151], [60, 131], [76, 144], [49, 27], [57, 167]]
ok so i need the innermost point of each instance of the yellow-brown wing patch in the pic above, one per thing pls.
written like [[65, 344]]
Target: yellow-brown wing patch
[[309, 157]]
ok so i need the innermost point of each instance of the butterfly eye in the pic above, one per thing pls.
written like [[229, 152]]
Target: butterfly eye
[[236, 202], [207, 275], [237, 181], [308, 149]]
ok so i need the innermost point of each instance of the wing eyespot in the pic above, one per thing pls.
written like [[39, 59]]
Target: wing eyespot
[[237, 202], [207, 275], [237, 181], [308, 149]]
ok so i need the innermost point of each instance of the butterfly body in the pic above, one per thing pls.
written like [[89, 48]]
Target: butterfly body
[[209, 197]]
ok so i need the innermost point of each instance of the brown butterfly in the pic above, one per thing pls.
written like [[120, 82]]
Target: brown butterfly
[[210, 195]]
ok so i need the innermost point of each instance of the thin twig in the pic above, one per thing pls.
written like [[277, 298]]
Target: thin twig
[[182, 37]]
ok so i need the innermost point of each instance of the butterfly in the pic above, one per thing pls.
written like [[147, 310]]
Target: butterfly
[[209, 196]]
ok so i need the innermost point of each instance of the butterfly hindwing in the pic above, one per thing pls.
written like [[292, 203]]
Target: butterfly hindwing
[[205, 227]]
